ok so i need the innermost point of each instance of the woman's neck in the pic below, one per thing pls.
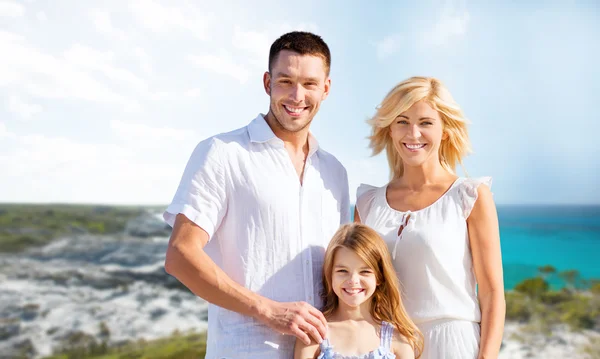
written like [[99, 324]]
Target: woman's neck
[[415, 177]]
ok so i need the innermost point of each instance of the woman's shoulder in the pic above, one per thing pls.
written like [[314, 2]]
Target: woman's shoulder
[[470, 189], [365, 189], [365, 199]]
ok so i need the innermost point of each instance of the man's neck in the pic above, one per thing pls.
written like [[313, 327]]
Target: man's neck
[[294, 142]]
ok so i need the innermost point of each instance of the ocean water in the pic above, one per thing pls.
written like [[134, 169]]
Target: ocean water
[[565, 237]]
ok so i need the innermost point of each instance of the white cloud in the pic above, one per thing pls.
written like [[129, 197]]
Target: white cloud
[[102, 21], [47, 76], [144, 60], [448, 28], [11, 9], [147, 134], [256, 43], [162, 19], [222, 64], [388, 46], [452, 24], [194, 93], [4, 131], [21, 108], [88, 58], [41, 16]]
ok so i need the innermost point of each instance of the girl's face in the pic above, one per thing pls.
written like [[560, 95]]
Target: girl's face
[[417, 134], [353, 281]]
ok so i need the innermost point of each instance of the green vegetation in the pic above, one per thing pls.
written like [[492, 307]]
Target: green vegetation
[[26, 225], [592, 349], [177, 346], [575, 305]]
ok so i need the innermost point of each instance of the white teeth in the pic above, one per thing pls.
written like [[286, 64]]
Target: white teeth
[[352, 291], [294, 110], [414, 147]]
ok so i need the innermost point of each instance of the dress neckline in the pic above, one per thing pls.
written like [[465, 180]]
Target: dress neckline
[[387, 204]]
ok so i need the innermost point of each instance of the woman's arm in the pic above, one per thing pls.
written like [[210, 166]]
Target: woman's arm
[[303, 351], [401, 348], [484, 238], [356, 216]]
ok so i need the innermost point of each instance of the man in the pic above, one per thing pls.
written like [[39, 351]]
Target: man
[[255, 210]]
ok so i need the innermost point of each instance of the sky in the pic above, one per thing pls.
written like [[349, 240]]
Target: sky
[[103, 102]]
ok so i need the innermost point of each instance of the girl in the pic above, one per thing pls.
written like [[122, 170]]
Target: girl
[[442, 229], [361, 296]]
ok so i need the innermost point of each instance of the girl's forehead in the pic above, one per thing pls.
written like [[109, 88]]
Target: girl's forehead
[[348, 257]]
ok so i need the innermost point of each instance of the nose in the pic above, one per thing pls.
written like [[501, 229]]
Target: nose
[[354, 279], [414, 131], [297, 93]]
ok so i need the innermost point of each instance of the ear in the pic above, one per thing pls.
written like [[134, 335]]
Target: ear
[[267, 82], [327, 88], [444, 135]]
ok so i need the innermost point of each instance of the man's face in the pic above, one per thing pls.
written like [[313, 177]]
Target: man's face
[[296, 85]]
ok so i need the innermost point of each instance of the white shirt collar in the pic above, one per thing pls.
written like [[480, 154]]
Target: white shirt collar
[[260, 132]]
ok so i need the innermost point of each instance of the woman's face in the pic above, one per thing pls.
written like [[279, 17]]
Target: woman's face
[[417, 134]]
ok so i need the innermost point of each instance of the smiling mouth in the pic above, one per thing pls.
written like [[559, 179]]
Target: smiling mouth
[[294, 111], [353, 291], [414, 147]]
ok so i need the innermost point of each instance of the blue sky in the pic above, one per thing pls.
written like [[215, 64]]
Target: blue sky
[[104, 103]]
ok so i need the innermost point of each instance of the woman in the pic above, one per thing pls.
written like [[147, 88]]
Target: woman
[[442, 229]]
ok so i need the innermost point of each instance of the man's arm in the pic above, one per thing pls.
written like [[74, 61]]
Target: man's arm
[[187, 261]]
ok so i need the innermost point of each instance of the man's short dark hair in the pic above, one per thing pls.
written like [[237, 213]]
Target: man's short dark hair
[[303, 43]]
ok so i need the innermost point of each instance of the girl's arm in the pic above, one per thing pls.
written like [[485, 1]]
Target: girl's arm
[[484, 238], [303, 351]]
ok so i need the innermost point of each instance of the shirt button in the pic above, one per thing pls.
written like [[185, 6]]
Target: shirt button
[[307, 262], [310, 297]]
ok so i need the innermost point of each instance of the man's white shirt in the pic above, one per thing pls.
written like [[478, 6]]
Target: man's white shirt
[[268, 232]]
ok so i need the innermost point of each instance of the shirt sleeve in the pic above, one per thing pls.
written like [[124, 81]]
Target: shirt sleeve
[[201, 194], [345, 215], [469, 192], [365, 194]]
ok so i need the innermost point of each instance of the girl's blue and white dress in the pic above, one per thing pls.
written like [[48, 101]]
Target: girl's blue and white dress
[[384, 351]]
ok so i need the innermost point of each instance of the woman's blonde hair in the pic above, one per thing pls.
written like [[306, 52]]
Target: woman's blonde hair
[[386, 303], [453, 148]]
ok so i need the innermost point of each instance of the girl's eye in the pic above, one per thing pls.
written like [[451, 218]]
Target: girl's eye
[[342, 271], [426, 123], [366, 272], [402, 122]]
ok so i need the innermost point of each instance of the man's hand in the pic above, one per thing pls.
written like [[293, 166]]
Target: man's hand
[[299, 319]]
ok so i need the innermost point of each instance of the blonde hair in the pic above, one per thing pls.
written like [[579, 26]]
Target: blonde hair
[[386, 303], [453, 148]]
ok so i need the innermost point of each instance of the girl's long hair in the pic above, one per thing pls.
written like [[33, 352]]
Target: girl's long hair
[[386, 304]]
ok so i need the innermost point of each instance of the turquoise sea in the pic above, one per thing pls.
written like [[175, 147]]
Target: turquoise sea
[[565, 237]]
